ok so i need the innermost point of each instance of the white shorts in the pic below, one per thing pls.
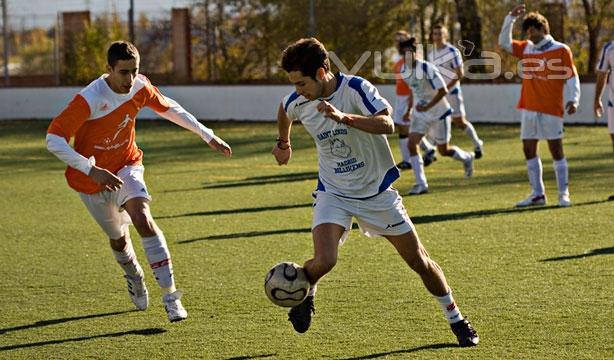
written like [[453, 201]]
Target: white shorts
[[383, 214], [439, 130], [610, 116], [540, 126], [106, 206], [455, 98], [400, 108]]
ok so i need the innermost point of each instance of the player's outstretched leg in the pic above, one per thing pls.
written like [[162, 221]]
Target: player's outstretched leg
[[458, 154], [411, 250], [325, 242], [158, 256], [126, 258]]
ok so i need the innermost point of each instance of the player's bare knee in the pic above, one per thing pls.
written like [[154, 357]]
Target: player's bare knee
[[144, 225], [118, 244]]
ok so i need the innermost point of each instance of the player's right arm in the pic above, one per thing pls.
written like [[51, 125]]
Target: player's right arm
[[505, 36], [282, 149], [64, 127]]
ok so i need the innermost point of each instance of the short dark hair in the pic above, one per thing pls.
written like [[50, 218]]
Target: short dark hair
[[536, 20], [408, 45], [306, 56], [121, 50]]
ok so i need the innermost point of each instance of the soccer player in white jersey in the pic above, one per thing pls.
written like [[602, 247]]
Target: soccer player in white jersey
[[348, 120], [449, 62], [547, 68], [604, 67], [402, 111], [105, 166], [431, 115]]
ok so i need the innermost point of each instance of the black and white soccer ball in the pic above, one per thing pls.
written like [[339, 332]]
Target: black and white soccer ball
[[286, 284]]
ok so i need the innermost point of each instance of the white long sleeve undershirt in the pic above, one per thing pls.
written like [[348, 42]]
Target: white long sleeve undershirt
[[58, 146], [505, 36], [177, 114]]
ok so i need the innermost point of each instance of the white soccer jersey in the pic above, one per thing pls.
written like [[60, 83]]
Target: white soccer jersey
[[447, 60], [352, 163], [425, 81], [606, 64]]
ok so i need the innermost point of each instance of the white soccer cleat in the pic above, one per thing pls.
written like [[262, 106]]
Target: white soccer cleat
[[564, 200], [138, 292], [468, 165], [173, 307], [419, 189], [532, 200]]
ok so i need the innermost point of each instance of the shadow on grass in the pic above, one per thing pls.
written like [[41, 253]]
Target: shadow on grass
[[246, 357], [422, 219], [42, 323], [594, 252], [405, 351], [237, 211], [144, 332], [254, 181]]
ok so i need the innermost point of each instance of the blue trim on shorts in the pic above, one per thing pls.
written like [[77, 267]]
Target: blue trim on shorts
[[610, 104], [446, 114]]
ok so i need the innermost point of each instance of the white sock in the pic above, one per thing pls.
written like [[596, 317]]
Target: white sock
[[417, 166], [460, 154], [473, 135], [562, 176], [312, 290], [535, 171], [127, 260], [160, 261], [403, 141], [450, 310], [425, 145]]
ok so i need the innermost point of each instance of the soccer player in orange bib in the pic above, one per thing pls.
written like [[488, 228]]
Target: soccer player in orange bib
[[105, 166], [547, 67]]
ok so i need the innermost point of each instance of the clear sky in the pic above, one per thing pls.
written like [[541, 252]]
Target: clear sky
[[29, 13]]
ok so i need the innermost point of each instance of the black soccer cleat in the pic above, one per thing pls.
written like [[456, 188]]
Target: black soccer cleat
[[300, 315], [404, 165], [465, 333], [429, 158]]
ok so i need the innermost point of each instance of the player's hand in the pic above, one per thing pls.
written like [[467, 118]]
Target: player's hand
[[518, 10], [105, 178], [407, 116], [598, 107], [330, 111], [220, 145], [571, 108], [282, 155]]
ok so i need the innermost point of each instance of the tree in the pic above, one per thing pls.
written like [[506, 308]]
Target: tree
[[594, 13]]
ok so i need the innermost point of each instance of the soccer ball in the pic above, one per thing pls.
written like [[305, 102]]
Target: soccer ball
[[286, 284]]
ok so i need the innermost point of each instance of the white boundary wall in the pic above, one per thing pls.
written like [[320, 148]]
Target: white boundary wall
[[484, 103]]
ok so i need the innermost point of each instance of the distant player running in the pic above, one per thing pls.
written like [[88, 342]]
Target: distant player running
[[604, 68], [402, 111], [431, 115], [105, 166], [547, 66], [349, 120], [449, 62]]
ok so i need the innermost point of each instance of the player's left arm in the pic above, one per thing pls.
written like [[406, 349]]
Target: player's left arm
[[172, 111], [572, 84], [458, 70], [438, 84], [378, 123]]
